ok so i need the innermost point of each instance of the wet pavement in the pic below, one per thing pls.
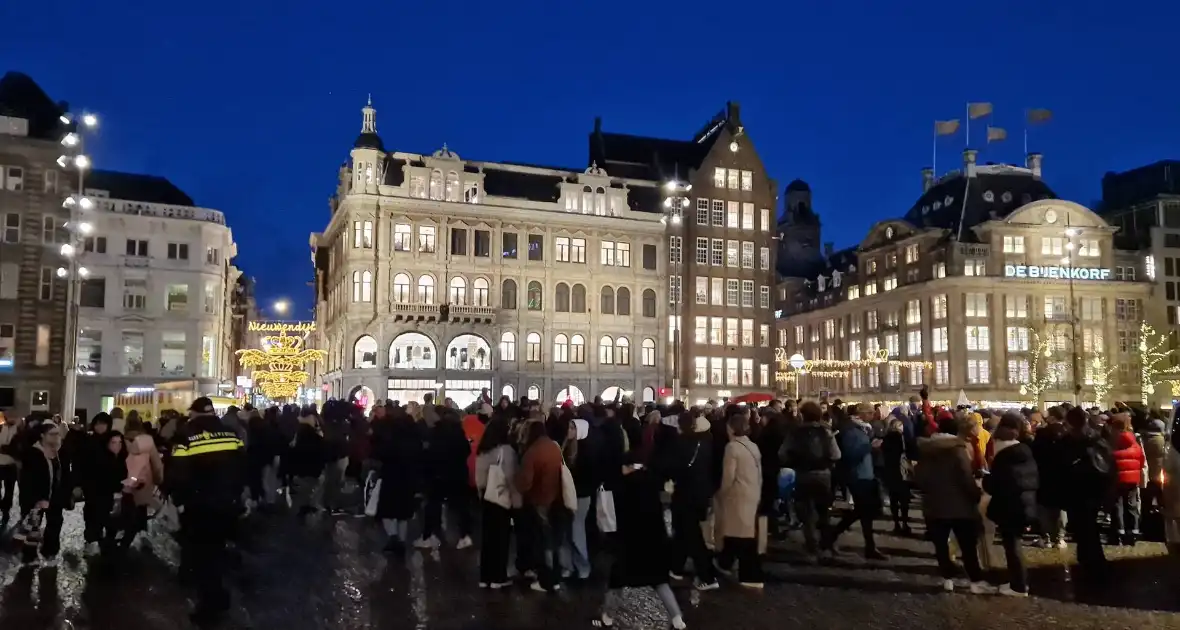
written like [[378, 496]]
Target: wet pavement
[[330, 573]]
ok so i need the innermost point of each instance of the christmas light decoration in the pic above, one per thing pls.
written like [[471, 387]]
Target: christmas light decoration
[[1040, 379], [285, 357], [1100, 372], [1154, 350]]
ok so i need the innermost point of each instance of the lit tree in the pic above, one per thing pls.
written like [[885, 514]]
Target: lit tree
[[1042, 373], [1100, 373], [1155, 359]]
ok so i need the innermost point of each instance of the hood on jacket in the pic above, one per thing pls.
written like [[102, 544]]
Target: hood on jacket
[[940, 444]]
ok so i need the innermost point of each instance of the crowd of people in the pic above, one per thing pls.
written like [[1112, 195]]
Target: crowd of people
[[641, 492]]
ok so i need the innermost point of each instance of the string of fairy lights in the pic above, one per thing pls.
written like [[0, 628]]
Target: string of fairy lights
[[836, 368]]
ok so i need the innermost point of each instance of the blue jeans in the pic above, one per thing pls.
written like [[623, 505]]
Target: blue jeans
[[576, 545]]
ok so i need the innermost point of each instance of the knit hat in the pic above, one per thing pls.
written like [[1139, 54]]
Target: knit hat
[[201, 405]]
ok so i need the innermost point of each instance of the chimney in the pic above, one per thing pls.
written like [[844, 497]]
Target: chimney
[[1034, 164], [927, 179], [597, 125], [829, 248], [969, 162]]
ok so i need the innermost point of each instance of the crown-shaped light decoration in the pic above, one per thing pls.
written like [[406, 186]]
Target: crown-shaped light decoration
[[285, 357]]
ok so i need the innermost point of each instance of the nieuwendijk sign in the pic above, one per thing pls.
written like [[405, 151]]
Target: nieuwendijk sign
[[1056, 272], [283, 327]]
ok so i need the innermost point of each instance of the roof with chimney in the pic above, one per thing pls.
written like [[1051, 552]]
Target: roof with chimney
[[137, 187], [963, 199], [658, 159]]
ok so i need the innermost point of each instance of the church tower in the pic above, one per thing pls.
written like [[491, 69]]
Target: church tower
[[799, 230]]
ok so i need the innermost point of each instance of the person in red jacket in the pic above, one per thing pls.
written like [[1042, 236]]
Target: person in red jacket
[[1128, 465]]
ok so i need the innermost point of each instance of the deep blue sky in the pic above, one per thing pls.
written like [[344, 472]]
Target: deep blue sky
[[251, 106]]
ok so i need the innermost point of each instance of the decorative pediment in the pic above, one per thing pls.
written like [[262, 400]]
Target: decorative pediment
[[886, 232], [1057, 213], [445, 154]]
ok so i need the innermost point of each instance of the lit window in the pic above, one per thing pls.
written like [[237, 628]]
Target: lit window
[[716, 330], [562, 245], [913, 312], [911, 253], [1089, 247], [1016, 306], [941, 372], [701, 330], [941, 342], [940, 270], [561, 349], [764, 374], [578, 250], [764, 258], [748, 333], [871, 288], [1018, 371], [747, 216], [747, 372], [701, 370], [1017, 339], [732, 211], [1013, 244], [731, 371], [532, 348], [978, 339], [606, 350], [978, 371], [731, 331], [426, 234], [748, 293], [675, 244], [975, 305], [731, 254], [401, 237], [913, 343], [747, 254], [764, 296], [765, 219], [702, 212], [717, 290], [747, 180], [975, 267], [674, 289], [1052, 246], [853, 291], [938, 306], [764, 335], [648, 353], [890, 282], [719, 177], [731, 178]]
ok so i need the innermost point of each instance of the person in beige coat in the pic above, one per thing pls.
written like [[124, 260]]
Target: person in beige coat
[[738, 497]]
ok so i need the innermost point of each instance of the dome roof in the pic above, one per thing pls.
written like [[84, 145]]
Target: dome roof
[[369, 140], [994, 192], [798, 185]]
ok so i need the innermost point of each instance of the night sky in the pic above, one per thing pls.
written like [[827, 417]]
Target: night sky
[[250, 107]]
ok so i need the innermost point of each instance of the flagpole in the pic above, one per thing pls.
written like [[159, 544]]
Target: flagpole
[[1025, 126], [934, 160], [968, 144]]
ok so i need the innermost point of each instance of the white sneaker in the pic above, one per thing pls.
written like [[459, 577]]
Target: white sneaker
[[464, 543], [982, 588], [708, 586], [427, 543], [948, 586], [676, 577], [91, 549], [49, 563], [1007, 591], [1061, 544]]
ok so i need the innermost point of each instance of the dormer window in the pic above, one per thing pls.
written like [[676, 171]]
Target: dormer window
[[600, 201], [452, 189], [436, 185], [418, 186], [471, 192], [587, 199]]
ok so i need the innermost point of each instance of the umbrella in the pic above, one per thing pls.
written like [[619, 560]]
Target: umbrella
[[755, 397]]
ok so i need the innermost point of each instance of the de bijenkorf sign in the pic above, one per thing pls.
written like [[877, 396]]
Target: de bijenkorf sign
[[1061, 272]]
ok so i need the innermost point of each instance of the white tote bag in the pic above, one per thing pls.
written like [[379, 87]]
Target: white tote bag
[[607, 523], [372, 493], [497, 490], [569, 491]]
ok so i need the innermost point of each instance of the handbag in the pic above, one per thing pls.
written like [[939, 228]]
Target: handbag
[[569, 491], [605, 513], [906, 468], [372, 493], [497, 489]]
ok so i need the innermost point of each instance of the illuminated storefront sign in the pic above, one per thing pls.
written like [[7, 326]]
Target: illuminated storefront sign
[[1056, 272], [281, 327]]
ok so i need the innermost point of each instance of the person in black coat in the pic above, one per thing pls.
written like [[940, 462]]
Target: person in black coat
[[643, 551], [1052, 469], [397, 447], [895, 457], [1013, 485], [447, 450], [305, 463], [44, 486], [690, 468]]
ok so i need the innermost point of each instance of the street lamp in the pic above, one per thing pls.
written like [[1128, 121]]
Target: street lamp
[[674, 205], [78, 227], [797, 362], [281, 307], [1071, 247]]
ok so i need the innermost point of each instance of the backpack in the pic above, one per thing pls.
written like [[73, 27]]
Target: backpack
[[1096, 465], [811, 450]]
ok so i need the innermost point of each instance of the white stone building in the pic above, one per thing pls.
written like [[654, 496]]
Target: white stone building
[[155, 307], [441, 275]]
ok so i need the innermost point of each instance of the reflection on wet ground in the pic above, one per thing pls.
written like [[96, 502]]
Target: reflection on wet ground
[[329, 573]]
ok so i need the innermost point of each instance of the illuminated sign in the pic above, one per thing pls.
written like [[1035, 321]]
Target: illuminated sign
[[1056, 272], [281, 327]]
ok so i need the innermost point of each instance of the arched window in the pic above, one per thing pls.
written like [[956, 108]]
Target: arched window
[[426, 290], [412, 351], [479, 292], [578, 302], [356, 286], [562, 302], [436, 185], [649, 352], [587, 200], [577, 349], [600, 201], [535, 296], [606, 304], [561, 349], [469, 352], [366, 286], [649, 303], [401, 288], [508, 347], [458, 294], [649, 394], [364, 353], [508, 295], [452, 186], [508, 391], [532, 348], [533, 392], [572, 394], [623, 301], [606, 350], [622, 351]]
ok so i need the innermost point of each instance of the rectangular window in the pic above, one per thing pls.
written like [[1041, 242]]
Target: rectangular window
[[765, 219], [913, 343], [1016, 306], [508, 245], [731, 292], [747, 180], [892, 344], [715, 371], [362, 234], [764, 374], [674, 289], [871, 288], [483, 243], [717, 290], [92, 293], [940, 270], [137, 247], [1055, 306], [911, 254], [134, 294], [16, 179], [871, 320], [731, 331], [401, 237], [50, 185], [458, 241], [49, 229], [764, 335], [975, 305], [701, 330], [177, 297], [172, 353], [622, 254], [1052, 246], [702, 251], [798, 335], [578, 250], [716, 330], [536, 247], [1013, 244], [978, 338], [1088, 247], [212, 256], [913, 311], [731, 254], [731, 371], [975, 267], [11, 232], [716, 253], [718, 213], [890, 282], [764, 258], [764, 297], [942, 374], [46, 285], [177, 251], [9, 280], [941, 342], [1017, 371], [719, 177], [731, 178], [426, 239], [747, 216], [41, 356], [748, 333], [1091, 309], [1017, 339], [853, 291], [978, 371], [892, 375], [702, 290], [700, 371], [747, 293], [732, 211], [747, 372], [7, 349], [675, 244], [747, 255], [702, 212]]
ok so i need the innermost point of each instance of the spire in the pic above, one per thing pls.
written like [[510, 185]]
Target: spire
[[369, 117]]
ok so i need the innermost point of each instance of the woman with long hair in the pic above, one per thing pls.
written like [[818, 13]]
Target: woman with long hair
[[495, 449]]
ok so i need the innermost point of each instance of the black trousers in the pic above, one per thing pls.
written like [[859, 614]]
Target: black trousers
[[688, 541], [204, 538], [866, 497], [745, 551], [1014, 554], [1083, 519], [967, 532], [8, 476], [96, 514], [496, 528], [50, 539], [548, 528], [458, 501]]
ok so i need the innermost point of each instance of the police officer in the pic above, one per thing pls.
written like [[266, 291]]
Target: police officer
[[207, 474]]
